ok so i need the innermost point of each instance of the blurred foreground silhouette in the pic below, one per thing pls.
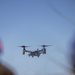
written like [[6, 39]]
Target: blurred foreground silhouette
[[72, 56], [5, 69]]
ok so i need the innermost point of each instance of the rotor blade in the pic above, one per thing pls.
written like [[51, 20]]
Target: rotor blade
[[23, 46], [45, 45]]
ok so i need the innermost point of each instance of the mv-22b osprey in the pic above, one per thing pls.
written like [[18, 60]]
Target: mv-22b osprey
[[36, 52]]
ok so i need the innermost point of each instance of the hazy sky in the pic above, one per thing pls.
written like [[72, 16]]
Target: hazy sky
[[36, 22]]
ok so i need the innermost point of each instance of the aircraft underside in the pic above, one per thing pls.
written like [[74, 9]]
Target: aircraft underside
[[34, 55]]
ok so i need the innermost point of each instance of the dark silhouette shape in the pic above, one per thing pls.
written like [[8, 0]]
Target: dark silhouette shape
[[36, 52], [6, 69]]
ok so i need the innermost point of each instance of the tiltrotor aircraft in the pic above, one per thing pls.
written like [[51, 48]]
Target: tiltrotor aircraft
[[36, 52]]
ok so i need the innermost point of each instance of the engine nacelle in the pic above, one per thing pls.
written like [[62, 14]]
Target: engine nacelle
[[23, 52], [44, 51]]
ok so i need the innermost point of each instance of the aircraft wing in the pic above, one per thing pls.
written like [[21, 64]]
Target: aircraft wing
[[40, 51], [29, 51]]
